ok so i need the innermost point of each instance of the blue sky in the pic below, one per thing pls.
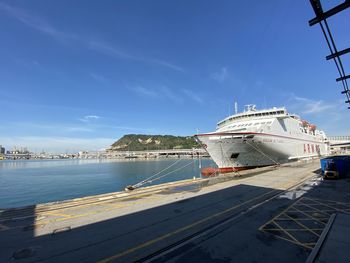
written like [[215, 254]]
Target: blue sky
[[79, 75]]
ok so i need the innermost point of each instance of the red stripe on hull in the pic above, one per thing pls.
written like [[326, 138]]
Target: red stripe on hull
[[210, 171]]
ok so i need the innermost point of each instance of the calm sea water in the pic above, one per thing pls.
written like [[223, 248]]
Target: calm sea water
[[26, 182]]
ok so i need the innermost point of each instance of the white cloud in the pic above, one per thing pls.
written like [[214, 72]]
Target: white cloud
[[78, 129], [162, 92], [167, 64], [141, 91], [47, 127], [193, 96], [109, 50], [88, 118], [221, 76], [99, 78], [36, 23], [330, 116], [165, 92], [170, 94], [310, 106], [65, 37]]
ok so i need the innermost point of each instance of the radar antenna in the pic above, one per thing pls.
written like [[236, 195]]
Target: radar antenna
[[250, 107]]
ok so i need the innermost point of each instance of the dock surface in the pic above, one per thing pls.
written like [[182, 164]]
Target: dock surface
[[268, 214]]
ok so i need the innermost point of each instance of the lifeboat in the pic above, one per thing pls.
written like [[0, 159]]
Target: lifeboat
[[312, 127], [305, 123]]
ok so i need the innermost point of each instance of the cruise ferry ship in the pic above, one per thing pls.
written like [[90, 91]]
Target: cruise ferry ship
[[256, 138]]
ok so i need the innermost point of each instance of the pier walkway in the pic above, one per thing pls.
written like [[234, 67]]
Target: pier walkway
[[246, 217]]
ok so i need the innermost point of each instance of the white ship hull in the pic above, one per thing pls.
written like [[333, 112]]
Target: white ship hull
[[278, 142], [250, 150]]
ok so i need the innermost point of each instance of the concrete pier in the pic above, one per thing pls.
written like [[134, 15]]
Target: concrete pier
[[241, 217]]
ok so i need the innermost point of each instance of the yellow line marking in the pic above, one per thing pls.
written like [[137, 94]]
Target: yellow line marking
[[68, 217], [311, 211], [97, 202], [110, 207], [301, 219], [329, 201], [311, 244], [325, 212], [318, 210], [299, 206], [56, 214], [323, 204], [292, 229], [281, 213], [179, 230], [312, 217], [293, 239], [72, 217], [284, 231], [303, 226]]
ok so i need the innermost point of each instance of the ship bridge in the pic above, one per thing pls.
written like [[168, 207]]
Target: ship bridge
[[253, 113]]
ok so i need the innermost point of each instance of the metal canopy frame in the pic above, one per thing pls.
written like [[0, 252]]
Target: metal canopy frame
[[321, 18]]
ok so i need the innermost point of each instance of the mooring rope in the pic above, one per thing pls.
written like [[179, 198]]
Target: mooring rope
[[154, 178], [178, 169], [149, 178], [260, 151]]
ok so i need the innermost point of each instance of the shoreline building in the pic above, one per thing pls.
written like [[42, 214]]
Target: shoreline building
[[2, 149]]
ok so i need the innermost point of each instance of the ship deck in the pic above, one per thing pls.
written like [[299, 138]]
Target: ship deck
[[266, 214]]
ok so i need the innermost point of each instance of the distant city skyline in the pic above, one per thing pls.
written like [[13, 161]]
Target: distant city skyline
[[79, 76]]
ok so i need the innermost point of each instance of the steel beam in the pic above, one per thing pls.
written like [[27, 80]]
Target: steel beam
[[344, 91], [320, 15], [337, 54], [316, 5], [343, 78]]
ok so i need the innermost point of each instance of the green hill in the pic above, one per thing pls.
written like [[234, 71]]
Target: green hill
[[141, 142]]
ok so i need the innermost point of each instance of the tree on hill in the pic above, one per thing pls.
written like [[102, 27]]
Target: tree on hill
[[141, 142]]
